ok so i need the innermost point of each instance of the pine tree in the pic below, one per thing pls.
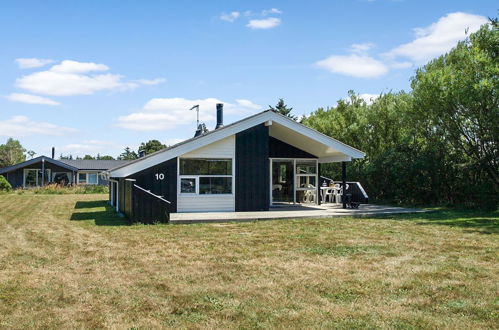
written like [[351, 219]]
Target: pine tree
[[283, 109]]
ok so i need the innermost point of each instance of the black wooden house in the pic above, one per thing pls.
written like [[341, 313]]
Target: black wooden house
[[44, 170], [250, 165]]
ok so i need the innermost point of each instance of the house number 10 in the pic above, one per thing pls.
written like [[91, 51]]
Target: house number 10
[[160, 176]]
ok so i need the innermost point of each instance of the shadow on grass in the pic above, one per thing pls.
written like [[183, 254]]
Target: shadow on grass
[[472, 221], [104, 216]]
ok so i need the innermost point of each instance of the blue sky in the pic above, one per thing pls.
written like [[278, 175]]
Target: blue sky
[[93, 77]]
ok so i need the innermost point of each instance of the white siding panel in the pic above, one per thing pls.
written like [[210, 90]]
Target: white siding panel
[[225, 148], [205, 203]]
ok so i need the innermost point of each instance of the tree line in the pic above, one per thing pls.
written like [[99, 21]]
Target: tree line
[[12, 152], [437, 144]]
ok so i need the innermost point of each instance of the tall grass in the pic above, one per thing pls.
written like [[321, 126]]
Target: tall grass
[[55, 189], [70, 262]]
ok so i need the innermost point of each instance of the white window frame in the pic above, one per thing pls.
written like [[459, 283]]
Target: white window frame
[[78, 178], [295, 176], [87, 173], [96, 178], [196, 177], [37, 170]]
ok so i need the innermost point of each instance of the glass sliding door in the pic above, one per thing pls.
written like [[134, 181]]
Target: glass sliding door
[[35, 177], [30, 178], [282, 181], [306, 179], [43, 178]]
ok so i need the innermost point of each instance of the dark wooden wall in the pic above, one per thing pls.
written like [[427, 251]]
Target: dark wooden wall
[[127, 207], [166, 187], [121, 195], [15, 177], [252, 169], [279, 149]]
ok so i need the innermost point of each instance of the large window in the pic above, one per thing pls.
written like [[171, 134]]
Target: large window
[[205, 167], [88, 178], [92, 178], [30, 178], [215, 185], [35, 177], [82, 178], [200, 176], [62, 178]]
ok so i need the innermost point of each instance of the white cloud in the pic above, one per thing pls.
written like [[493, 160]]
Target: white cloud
[[168, 113], [431, 41], [32, 99], [360, 66], [266, 23], [18, 126], [248, 104], [156, 81], [91, 147], [369, 98], [28, 63], [400, 65], [171, 142], [69, 66], [271, 11], [75, 78], [439, 37], [361, 48], [64, 84], [231, 17]]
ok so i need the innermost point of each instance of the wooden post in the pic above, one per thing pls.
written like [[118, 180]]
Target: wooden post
[[43, 172], [318, 184], [344, 183]]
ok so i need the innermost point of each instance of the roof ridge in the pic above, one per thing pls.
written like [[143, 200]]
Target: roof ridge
[[189, 140]]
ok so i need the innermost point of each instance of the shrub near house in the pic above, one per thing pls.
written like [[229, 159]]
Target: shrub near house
[[4, 184]]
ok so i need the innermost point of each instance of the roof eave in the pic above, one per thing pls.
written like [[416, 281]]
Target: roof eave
[[213, 136]]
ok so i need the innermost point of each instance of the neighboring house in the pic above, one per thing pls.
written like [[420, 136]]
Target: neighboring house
[[43, 170], [250, 165]]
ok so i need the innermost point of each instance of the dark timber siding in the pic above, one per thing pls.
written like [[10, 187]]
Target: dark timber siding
[[121, 195], [279, 149], [166, 187], [103, 182], [252, 169], [15, 177], [128, 210]]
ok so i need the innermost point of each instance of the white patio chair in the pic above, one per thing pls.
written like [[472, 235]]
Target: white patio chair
[[329, 195], [309, 196], [340, 193]]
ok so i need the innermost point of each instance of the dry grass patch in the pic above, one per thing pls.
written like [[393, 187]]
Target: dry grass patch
[[68, 261]]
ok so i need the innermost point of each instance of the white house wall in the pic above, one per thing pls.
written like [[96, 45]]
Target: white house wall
[[225, 148]]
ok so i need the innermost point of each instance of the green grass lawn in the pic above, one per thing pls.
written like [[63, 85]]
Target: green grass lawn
[[68, 261]]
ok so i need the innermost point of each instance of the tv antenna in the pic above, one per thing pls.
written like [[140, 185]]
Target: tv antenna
[[197, 115]]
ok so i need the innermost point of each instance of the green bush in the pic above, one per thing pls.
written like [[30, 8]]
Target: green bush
[[94, 189], [4, 184]]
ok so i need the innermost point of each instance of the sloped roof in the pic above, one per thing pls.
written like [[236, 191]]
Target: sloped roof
[[94, 164], [37, 160], [70, 164], [338, 151]]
